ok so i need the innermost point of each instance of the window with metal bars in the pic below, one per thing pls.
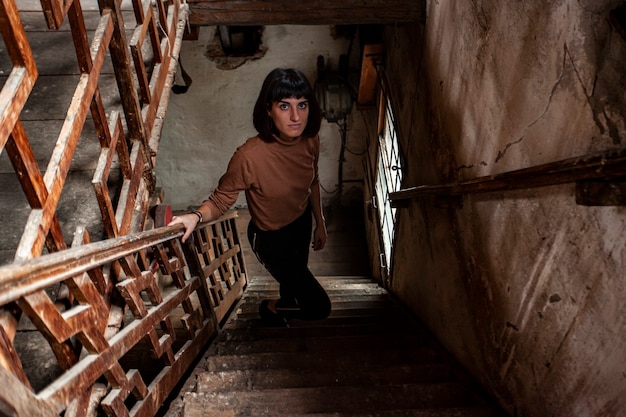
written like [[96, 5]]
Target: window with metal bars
[[388, 179]]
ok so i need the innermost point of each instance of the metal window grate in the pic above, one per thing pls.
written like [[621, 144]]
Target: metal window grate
[[389, 179]]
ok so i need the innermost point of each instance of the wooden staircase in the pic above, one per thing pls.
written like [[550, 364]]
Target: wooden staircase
[[369, 358]]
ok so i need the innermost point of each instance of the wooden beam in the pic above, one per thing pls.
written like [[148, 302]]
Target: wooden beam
[[372, 54], [304, 12]]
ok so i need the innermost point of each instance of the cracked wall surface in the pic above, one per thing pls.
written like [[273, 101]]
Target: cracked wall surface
[[526, 287]]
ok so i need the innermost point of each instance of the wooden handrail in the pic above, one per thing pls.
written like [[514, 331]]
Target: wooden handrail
[[116, 300], [602, 165], [21, 278]]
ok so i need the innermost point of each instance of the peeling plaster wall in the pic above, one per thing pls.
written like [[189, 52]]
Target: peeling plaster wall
[[205, 126], [525, 288]]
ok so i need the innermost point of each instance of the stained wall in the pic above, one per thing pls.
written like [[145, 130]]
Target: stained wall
[[526, 288]]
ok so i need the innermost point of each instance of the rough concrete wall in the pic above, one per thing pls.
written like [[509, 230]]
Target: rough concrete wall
[[205, 125], [526, 288]]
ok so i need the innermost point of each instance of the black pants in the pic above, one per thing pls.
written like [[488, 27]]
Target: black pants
[[285, 255]]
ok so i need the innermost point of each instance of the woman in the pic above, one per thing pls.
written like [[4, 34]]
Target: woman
[[278, 171]]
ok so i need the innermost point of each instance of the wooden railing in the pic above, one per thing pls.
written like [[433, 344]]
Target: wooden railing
[[130, 131], [114, 315], [605, 166]]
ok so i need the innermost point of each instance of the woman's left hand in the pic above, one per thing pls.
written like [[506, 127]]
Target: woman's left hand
[[319, 237]]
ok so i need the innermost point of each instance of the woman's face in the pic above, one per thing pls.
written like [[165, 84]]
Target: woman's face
[[290, 116]]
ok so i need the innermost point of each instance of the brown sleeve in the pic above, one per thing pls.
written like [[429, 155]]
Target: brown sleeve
[[235, 180]]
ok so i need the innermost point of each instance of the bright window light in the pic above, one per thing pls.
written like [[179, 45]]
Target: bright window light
[[389, 179]]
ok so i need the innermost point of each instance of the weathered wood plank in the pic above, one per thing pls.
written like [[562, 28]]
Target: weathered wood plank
[[32, 240], [95, 365], [59, 164], [300, 401], [304, 12], [125, 79], [99, 181], [156, 86], [19, 84], [31, 180], [161, 110], [136, 48], [128, 196], [19, 401], [21, 278], [55, 11], [251, 340], [25, 165], [79, 36], [293, 378]]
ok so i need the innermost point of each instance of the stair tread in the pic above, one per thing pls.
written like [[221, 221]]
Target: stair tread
[[241, 380], [250, 320], [334, 297], [361, 398], [475, 411], [316, 345], [321, 278], [218, 359]]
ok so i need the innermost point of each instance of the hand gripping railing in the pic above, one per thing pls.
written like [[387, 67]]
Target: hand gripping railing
[[114, 313]]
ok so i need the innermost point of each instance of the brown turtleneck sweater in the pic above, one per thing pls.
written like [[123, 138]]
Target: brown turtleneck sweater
[[277, 178]]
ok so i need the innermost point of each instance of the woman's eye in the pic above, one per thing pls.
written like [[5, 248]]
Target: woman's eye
[[303, 105], [284, 107]]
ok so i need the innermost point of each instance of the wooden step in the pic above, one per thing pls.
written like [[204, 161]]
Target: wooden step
[[273, 286], [334, 298], [344, 342], [340, 305], [361, 398], [246, 380], [229, 359], [385, 320], [436, 412]]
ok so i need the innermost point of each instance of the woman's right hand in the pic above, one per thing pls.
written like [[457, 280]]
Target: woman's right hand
[[189, 220]]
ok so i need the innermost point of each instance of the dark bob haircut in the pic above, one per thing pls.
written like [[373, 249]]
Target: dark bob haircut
[[279, 84]]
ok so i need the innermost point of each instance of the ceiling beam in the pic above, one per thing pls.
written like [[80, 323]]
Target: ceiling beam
[[304, 12]]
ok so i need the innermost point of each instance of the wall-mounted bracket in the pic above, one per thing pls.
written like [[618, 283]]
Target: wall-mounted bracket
[[601, 192]]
